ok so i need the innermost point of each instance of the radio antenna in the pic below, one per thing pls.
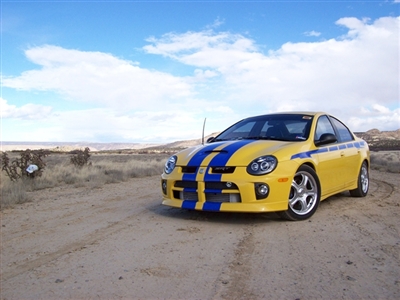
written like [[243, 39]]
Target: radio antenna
[[202, 136]]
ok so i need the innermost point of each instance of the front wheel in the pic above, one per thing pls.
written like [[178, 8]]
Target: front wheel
[[362, 182], [304, 197]]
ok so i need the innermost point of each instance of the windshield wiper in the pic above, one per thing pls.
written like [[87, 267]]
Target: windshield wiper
[[228, 139], [268, 138]]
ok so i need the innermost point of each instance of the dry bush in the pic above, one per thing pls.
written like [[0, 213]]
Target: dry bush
[[12, 193], [81, 158], [15, 168], [386, 161]]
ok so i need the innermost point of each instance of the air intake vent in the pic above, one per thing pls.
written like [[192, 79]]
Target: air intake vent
[[186, 184], [216, 151], [189, 170]]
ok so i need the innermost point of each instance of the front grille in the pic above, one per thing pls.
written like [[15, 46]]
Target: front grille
[[220, 198], [213, 192], [212, 197], [188, 196]]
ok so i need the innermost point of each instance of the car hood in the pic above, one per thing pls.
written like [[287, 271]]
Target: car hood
[[235, 153]]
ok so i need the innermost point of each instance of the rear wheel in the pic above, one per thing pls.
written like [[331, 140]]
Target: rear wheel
[[362, 182], [304, 197]]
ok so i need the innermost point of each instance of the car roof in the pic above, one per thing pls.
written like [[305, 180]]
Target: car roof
[[309, 113]]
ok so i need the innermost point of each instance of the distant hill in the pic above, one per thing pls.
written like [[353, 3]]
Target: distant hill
[[381, 140], [189, 143], [377, 141], [69, 146]]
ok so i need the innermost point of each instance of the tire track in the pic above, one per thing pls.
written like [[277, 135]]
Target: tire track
[[86, 240], [88, 224], [233, 280], [373, 224], [384, 190]]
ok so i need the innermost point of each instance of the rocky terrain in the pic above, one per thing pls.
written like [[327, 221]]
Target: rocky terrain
[[381, 140]]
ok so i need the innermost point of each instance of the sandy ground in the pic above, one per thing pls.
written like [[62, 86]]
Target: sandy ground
[[119, 242]]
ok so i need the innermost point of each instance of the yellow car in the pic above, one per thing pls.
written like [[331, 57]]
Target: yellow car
[[283, 162]]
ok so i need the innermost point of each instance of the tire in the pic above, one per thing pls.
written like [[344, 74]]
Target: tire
[[362, 182], [304, 196]]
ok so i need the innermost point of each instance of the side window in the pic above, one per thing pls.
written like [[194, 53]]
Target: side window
[[344, 132], [323, 126]]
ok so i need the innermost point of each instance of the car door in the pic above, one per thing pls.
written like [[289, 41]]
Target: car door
[[349, 151], [330, 161]]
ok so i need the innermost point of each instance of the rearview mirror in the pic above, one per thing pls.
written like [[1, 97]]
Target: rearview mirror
[[326, 138], [210, 139]]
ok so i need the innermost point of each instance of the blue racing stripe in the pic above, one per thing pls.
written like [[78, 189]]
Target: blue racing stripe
[[203, 152], [189, 204], [308, 154], [212, 206], [197, 159], [215, 191], [222, 158]]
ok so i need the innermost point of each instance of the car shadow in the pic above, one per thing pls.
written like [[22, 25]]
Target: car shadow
[[215, 217]]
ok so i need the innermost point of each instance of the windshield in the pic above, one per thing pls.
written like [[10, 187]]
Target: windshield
[[283, 127]]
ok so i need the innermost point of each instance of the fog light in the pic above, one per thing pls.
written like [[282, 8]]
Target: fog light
[[164, 186], [262, 190]]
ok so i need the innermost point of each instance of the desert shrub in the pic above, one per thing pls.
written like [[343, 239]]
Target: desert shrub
[[386, 161], [16, 168], [81, 158], [115, 175], [13, 193]]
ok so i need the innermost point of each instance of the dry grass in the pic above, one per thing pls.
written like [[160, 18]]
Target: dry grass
[[386, 161], [105, 169], [114, 168]]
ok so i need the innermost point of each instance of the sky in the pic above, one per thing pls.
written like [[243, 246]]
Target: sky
[[152, 71]]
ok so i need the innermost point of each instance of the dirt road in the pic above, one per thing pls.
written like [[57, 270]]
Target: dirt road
[[119, 242]]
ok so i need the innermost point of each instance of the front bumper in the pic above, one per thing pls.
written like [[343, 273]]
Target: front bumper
[[235, 192]]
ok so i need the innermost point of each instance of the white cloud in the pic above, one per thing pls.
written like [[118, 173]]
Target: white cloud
[[355, 77], [312, 33], [217, 23], [29, 111], [96, 77], [337, 75], [379, 117], [204, 49], [102, 124], [201, 75]]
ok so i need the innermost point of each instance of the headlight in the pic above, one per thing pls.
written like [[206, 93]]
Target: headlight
[[170, 164], [262, 165]]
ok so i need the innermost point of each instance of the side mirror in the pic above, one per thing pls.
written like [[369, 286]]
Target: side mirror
[[326, 138], [210, 139]]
